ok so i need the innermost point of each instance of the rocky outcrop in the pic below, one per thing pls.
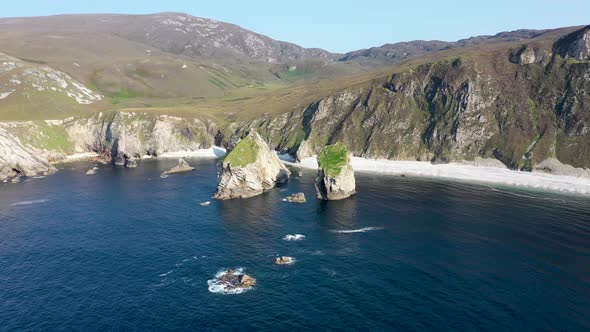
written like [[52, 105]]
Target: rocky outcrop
[[233, 279], [335, 179], [575, 45], [250, 169], [16, 160], [182, 167], [284, 260], [296, 198], [527, 55]]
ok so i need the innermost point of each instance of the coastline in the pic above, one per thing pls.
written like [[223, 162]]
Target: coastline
[[212, 152], [463, 172]]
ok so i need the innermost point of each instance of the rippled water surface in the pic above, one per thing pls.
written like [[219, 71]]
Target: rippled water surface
[[127, 250]]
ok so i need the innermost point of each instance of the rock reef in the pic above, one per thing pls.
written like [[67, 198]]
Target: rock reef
[[250, 169], [335, 179]]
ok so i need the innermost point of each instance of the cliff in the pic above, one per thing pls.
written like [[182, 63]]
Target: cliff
[[521, 105]]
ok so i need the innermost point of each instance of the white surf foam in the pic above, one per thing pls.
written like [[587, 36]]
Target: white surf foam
[[216, 287], [205, 203], [165, 274], [214, 152], [359, 230], [37, 201], [293, 237]]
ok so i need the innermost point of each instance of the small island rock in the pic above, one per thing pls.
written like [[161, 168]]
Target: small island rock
[[296, 198], [182, 167], [232, 279], [284, 260], [335, 179], [250, 169]]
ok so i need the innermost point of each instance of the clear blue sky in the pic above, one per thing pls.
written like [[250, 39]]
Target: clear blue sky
[[342, 26]]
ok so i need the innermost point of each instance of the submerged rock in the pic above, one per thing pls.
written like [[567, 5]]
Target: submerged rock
[[296, 198], [182, 167], [335, 179], [250, 169], [284, 260]]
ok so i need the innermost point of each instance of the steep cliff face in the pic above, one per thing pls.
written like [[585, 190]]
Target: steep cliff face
[[521, 106], [17, 160], [119, 137]]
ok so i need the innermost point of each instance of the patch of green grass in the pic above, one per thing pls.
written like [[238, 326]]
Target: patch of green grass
[[217, 82], [333, 158], [243, 154], [293, 74], [123, 93]]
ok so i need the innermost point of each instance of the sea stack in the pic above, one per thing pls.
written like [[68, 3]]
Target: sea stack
[[249, 169], [335, 178]]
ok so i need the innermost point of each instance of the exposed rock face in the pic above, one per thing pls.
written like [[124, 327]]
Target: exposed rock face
[[452, 110], [296, 198], [335, 179], [182, 167], [122, 136], [575, 45], [528, 55], [250, 169], [16, 160], [232, 279]]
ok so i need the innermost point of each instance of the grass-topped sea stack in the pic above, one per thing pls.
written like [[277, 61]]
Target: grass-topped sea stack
[[250, 169], [335, 179]]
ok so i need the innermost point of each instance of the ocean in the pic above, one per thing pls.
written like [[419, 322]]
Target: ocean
[[127, 250]]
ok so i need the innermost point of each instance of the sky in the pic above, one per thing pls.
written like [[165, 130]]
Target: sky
[[341, 26]]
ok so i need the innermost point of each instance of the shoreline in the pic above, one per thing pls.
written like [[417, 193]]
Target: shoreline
[[212, 152], [462, 172]]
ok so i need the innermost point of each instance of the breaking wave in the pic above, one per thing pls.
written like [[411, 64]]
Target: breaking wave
[[205, 203], [359, 230], [37, 201], [293, 237]]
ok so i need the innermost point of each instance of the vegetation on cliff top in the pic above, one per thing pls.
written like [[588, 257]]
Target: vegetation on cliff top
[[243, 154], [333, 158]]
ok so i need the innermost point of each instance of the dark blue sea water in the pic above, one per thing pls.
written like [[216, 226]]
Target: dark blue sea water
[[127, 250]]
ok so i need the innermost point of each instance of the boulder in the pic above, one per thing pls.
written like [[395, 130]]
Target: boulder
[[296, 198], [335, 179], [182, 167], [91, 171], [250, 169], [284, 260]]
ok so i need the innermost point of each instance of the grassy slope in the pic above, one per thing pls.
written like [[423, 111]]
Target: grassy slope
[[332, 159], [243, 154]]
